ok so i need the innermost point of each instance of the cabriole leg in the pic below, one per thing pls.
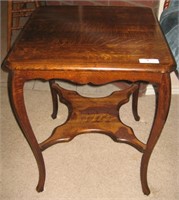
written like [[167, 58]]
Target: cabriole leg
[[163, 96], [16, 96]]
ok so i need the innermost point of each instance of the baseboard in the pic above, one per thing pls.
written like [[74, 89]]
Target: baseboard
[[150, 90]]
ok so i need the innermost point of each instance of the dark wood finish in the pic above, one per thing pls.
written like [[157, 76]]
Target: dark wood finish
[[91, 45]]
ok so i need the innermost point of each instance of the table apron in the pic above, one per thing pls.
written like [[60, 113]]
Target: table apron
[[87, 77]]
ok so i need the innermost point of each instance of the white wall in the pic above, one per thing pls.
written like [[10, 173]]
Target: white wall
[[160, 7]]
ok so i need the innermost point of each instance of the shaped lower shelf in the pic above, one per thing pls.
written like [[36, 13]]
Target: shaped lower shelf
[[94, 115]]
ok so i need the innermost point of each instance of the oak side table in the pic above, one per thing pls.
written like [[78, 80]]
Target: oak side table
[[91, 45]]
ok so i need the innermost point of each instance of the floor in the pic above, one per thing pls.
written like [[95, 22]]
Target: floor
[[91, 166]]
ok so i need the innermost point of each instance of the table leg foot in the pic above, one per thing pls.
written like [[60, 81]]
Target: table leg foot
[[163, 96], [144, 166], [146, 191], [40, 188]]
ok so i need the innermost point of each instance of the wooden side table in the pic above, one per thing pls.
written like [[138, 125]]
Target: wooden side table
[[91, 45]]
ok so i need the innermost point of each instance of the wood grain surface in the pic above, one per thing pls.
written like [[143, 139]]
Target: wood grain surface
[[86, 37]]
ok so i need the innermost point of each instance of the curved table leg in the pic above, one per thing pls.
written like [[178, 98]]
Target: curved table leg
[[16, 84], [54, 100], [163, 96]]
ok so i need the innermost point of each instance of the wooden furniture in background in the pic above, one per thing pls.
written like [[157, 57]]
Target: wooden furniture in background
[[92, 45], [17, 10]]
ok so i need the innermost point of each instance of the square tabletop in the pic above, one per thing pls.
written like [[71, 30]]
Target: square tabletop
[[102, 38]]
